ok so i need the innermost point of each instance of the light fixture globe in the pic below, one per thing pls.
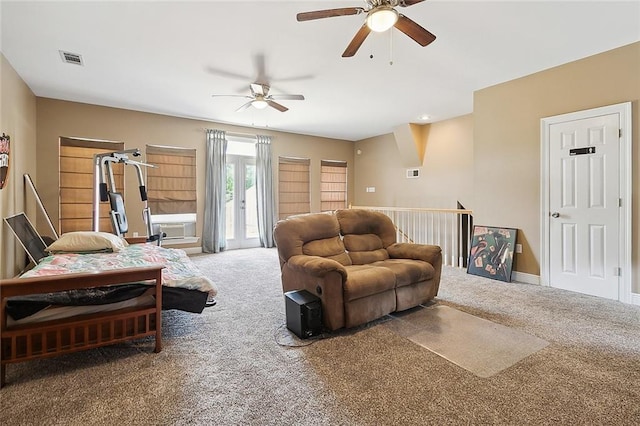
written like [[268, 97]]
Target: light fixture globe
[[382, 18], [259, 104]]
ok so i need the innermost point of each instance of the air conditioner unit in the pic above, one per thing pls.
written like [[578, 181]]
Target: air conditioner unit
[[172, 230]]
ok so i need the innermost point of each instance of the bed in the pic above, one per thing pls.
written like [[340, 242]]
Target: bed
[[75, 301]]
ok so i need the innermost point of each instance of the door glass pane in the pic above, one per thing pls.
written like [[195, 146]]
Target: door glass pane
[[251, 204], [230, 206]]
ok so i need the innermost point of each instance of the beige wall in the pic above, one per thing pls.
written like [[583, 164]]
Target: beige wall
[[18, 120], [445, 175], [490, 161], [136, 129], [507, 139]]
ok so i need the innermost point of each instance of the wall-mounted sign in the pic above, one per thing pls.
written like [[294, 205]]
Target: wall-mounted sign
[[4, 160], [582, 151]]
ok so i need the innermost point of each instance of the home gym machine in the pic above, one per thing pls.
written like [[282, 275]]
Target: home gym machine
[[105, 190]]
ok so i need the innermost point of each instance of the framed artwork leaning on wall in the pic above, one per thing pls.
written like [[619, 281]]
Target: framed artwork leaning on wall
[[491, 253]]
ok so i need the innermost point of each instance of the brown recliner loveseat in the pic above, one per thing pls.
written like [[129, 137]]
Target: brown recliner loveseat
[[350, 259]]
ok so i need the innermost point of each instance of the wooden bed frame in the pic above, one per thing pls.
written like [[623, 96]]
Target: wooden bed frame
[[50, 338]]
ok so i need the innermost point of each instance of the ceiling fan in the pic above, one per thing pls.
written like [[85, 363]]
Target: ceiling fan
[[260, 98], [381, 16]]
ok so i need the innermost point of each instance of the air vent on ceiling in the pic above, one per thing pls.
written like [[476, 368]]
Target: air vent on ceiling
[[71, 58]]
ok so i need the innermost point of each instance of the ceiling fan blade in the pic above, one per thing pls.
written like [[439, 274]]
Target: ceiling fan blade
[[277, 106], [259, 62], [287, 97], [329, 13], [232, 96], [406, 3], [415, 31], [224, 73], [357, 41], [259, 89], [245, 106]]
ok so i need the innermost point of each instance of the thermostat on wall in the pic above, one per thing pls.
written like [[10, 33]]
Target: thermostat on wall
[[413, 173]]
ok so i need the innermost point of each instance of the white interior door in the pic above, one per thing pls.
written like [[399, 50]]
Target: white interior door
[[584, 205]]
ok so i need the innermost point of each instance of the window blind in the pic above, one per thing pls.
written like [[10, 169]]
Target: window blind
[[333, 185], [77, 185], [293, 186], [171, 185]]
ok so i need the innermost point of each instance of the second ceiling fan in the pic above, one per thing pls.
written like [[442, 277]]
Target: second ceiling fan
[[381, 16], [260, 98]]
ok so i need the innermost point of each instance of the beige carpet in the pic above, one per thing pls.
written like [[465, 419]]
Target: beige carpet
[[226, 366], [482, 347]]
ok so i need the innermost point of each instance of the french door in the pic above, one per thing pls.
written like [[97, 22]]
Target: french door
[[241, 206]]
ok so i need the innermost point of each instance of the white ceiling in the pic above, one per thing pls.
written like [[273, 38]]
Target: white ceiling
[[170, 57]]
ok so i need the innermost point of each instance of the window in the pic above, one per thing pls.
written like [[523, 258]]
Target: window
[[333, 185], [171, 185], [77, 184], [293, 186]]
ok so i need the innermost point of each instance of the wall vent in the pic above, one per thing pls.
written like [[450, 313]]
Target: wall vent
[[71, 58], [413, 173]]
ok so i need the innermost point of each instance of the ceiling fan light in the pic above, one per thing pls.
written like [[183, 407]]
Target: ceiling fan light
[[381, 19], [259, 104]]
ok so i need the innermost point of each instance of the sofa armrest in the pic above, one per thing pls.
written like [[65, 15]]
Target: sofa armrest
[[428, 253], [316, 265]]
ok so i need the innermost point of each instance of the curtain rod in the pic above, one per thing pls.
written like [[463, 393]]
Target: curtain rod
[[236, 134], [241, 135]]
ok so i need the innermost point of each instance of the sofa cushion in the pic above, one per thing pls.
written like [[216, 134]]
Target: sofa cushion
[[364, 242], [292, 233], [331, 248], [408, 271], [365, 280], [360, 222], [365, 248]]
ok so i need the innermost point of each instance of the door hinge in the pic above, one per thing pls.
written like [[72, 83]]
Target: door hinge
[[619, 133], [619, 202], [617, 271]]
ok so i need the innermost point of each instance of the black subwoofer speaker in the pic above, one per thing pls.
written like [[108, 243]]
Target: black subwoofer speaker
[[304, 313]]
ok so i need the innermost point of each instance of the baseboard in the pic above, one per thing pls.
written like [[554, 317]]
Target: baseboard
[[523, 277], [179, 242], [192, 250]]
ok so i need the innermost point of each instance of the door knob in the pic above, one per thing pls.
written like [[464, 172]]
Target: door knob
[[555, 214]]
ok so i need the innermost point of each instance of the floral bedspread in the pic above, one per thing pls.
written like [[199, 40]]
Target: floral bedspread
[[179, 270]]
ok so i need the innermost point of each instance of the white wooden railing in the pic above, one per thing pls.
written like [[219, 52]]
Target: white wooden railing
[[448, 228]]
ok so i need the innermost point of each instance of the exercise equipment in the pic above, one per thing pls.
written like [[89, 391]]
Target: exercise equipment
[[29, 184], [106, 191]]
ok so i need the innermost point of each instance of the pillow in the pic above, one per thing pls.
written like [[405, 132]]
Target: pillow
[[87, 241]]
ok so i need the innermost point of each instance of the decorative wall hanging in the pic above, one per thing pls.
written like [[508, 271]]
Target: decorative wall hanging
[[491, 253], [4, 160]]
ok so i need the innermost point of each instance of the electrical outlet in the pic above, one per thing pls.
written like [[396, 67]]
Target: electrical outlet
[[371, 189], [518, 248]]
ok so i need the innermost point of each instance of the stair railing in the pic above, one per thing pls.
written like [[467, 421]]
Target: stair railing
[[448, 228]]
